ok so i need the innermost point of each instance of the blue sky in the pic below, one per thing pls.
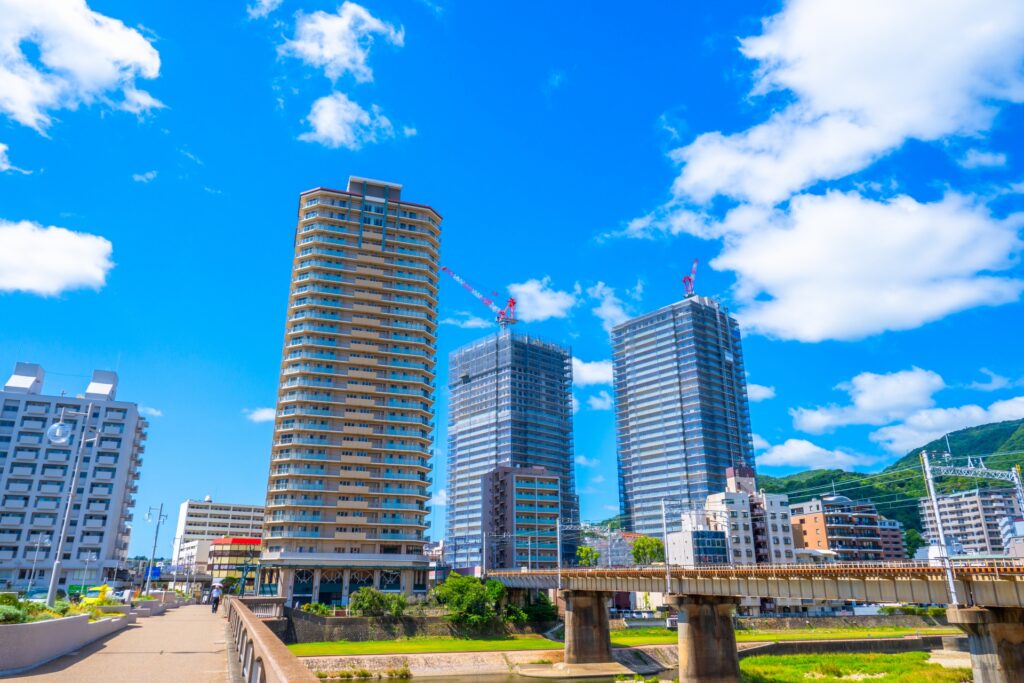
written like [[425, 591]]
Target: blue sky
[[848, 174]]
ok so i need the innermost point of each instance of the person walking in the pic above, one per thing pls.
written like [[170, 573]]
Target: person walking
[[215, 597]]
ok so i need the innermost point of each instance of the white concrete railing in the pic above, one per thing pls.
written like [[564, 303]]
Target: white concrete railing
[[262, 656]]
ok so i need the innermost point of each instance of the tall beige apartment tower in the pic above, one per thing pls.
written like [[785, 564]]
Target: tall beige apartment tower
[[350, 463]]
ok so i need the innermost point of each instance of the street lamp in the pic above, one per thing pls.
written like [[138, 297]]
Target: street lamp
[[85, 573], [40, 541], [160, 519], [59, 434]]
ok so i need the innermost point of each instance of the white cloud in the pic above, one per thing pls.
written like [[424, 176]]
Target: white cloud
[[51, 260], [575, 405], [861, 79], [191, 157], [874, 400], [927, 425], [758, 392], [408, 132], [5, 162], [151, 412], [636, 293], [59, 54], [439, 499], [994, 383], [803, 453], [260, 414], [584, 461], [610, 508], [262, 8], [340, 43], [146, 177], [588, 373], [555, 80], [537, 301], [597, 479], [337, 121], [976, 158], [760, 443], [601, 401], [840, 266], [467, 321], [610, 309]]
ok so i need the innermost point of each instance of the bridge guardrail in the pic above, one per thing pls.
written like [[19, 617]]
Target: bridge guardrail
[[262, 656]]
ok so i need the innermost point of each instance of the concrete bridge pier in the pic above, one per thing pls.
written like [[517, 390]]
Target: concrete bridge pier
[[996, 639], [707, 640], [587, 640]]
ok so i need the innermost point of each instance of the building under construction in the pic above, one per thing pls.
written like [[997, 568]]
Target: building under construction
[[510, 405]]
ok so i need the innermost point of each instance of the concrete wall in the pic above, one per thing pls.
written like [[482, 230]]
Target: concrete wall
[[900, 620], [26, 646], [303, 627]]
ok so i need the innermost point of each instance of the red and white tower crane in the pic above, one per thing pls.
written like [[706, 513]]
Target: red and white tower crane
[[690, 279], [505, 316]]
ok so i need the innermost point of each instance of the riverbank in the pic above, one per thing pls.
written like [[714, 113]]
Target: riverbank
[[645, 660]]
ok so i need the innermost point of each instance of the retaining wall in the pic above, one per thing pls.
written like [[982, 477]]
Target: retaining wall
[[873, 621], [303, 627], [26, 646]]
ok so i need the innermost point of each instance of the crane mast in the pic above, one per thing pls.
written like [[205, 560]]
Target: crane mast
[[689, 280]]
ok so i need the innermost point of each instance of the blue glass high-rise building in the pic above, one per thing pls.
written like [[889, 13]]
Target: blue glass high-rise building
[[680, 408], [510, 404]]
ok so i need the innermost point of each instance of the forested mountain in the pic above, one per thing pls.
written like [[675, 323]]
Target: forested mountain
[[896, 489]]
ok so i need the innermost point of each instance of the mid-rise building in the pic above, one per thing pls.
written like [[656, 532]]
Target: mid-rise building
[[971, 518], [351, 457], [36, 471], [615, 548], [510, 405], [852, 529], [522, 506], [231, 556], [206, 519], [697, 542], [192, 557], [680, 408], [890, 535]]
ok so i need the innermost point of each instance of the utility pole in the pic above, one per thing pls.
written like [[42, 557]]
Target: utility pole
[[930, 483], [558, 549], [160, 518], [483, 556], [664, 534]]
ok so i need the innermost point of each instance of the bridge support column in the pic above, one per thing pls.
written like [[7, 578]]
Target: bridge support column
[[707, 641], [587, 640], [996, 639]]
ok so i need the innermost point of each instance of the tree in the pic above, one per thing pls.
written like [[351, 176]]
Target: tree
[[913, 539], [587, 556], [469, 603], [648, 550], [369, 602]]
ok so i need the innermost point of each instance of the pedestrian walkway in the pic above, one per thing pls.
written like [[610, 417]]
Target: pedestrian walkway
[[184, 644]]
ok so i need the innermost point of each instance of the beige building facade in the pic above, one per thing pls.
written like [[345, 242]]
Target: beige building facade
[[351, 455]]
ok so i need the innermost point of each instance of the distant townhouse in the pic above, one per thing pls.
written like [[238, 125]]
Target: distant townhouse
[[971, 518], [852, 529]]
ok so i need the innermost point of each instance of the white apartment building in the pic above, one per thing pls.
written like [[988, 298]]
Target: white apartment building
[[758, 523], [193, 556], [206, 519], [972, 518], [36, 473]]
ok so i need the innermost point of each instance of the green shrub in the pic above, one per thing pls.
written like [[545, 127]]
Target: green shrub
[[936, 611], [514, 615], [61, 607], [370, 602], [12, 615], [319, 609], [9, 599], [401, 673]]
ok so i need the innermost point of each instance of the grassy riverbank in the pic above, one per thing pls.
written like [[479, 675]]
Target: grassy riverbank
[[408, 646], [633, 637], [906, 667]]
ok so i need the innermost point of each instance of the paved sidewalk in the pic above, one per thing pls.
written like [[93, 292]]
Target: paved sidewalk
[[184, 644]]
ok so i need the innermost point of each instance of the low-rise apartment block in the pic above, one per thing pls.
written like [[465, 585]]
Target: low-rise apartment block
[[852, 529], [205, 520], [36, 471], [971, 518], [231, 556]]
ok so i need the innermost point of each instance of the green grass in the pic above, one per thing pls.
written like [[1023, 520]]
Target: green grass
[[906, 667], [407, 646], [661, 636]]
